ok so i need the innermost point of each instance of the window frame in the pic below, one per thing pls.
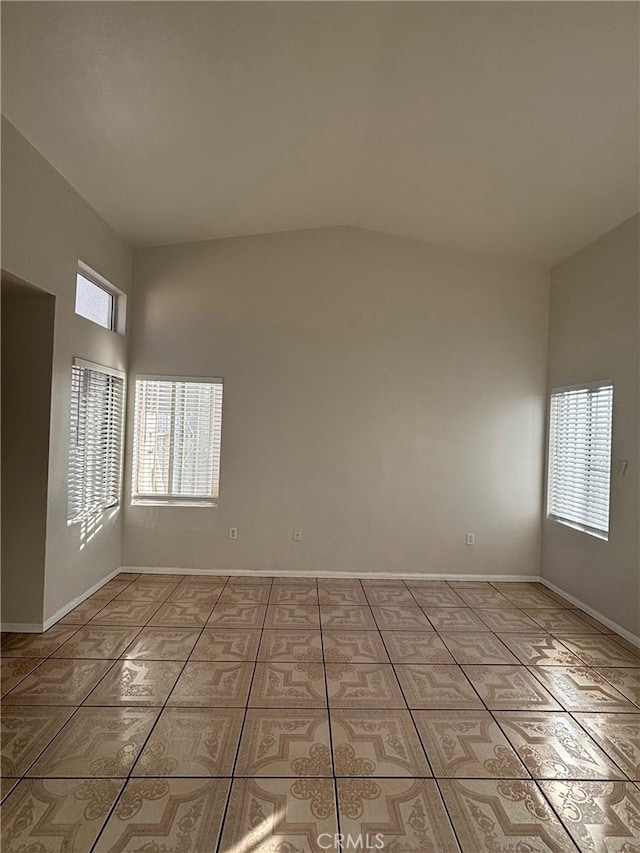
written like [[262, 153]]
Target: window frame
[[117, 320], [91, 511], [144, 499], [583, 527]]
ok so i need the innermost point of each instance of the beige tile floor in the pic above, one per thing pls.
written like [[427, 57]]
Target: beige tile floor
[[235, 715]]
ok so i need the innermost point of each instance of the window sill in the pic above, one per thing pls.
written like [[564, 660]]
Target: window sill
[[604, 537], [150, 502]]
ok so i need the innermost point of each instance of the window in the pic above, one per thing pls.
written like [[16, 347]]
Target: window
[[176, 451], [95, 445], [580, 457], [97, 300]]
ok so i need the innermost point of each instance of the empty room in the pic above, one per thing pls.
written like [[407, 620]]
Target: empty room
[[320, 427]]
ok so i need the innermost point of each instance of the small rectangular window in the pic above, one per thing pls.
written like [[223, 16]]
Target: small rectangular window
[[177, 436], [95, 441], [98, 300], [580, 457], [94, 302]]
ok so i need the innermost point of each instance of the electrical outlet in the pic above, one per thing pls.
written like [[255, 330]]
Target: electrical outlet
[[297, 535], [233, 533], [471, 538]]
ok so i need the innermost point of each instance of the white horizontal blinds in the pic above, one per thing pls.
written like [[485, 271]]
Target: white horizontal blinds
[[580, 456], [178, 426], [95, 441]]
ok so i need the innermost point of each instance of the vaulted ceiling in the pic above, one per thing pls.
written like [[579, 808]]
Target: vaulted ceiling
[[506, 128]]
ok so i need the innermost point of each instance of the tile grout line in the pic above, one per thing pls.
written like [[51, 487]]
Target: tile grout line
[[556, 813], [448, 814], [329, 720], [233, 777]]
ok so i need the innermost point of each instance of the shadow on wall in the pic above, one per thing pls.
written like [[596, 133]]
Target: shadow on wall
[[92, 524]]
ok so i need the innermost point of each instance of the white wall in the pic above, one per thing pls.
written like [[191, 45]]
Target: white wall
[[595, 334], [46, 228], [382, 394]]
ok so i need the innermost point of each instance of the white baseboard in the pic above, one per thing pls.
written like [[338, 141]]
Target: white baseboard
[[325, 573], [70, 605], [628, 635]]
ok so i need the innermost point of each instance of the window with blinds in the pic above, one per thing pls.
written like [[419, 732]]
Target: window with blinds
[[176, 442], [580, 457], [95, 439]]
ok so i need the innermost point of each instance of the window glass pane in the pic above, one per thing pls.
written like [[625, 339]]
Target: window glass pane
[[94, 303]]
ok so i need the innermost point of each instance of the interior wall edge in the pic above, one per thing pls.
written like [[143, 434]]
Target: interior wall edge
[[628, 635], [70, 605]]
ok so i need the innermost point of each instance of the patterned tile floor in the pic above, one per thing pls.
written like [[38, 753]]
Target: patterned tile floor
[[203, 714]]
